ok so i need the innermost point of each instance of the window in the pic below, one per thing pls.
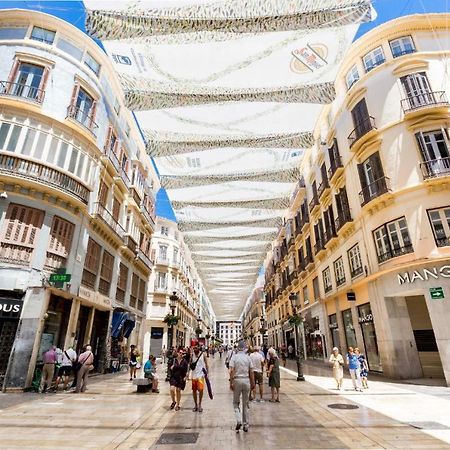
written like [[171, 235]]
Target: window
[[83, 107], [402, 46], [91, 264], [61, 235], [374, 59], [122, 283], [392, 239], [361, 121], [43, 35], [92, 63], [103, 193], [165, 231], [326, 276], [354, 259], [116, 106], [134, 290], [440, 223], [371, 176], [106, 273], [418, 91], [339, 271], [111, 145], [27, 81], [434, 148], [161, 281], [127, 129], [19, 234], [70, 49], [162, 252], [142, 294], [352, 77], [305, 295], [316, 289]]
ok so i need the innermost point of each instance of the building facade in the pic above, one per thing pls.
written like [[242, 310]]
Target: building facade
[[253, 318], [174, 273], [76, 204], [229, 331], [366, 243]]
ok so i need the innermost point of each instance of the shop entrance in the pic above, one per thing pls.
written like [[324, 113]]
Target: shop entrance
[[8, 328], [80, 335], [156, 339], [429, 357], [56, 322], [98, 339]]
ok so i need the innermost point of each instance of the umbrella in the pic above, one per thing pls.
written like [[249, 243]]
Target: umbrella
[[208, 384]]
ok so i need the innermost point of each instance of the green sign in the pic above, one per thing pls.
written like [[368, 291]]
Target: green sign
[[60, 277], [437, 293]]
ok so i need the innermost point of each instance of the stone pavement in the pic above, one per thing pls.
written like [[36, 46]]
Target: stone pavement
[[110, 415]]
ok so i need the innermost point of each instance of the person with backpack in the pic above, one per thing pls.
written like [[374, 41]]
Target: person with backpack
[[198, 363], [85, 365]]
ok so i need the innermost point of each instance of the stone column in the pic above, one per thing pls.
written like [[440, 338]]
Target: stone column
[[90, 322], [341, 328], [396, 343], [72, 325], [358, 331]]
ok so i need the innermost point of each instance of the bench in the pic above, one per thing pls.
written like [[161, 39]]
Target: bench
[[143, 384]]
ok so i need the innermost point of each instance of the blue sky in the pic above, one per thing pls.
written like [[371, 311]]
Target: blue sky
[[73, 12]]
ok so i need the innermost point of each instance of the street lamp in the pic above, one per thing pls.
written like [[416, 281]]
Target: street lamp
[[263, 329], [296, 319], [173, 304], [251, 335], [198, 331]]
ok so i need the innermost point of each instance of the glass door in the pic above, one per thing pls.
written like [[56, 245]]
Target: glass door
[[28, 81], [417, 89]]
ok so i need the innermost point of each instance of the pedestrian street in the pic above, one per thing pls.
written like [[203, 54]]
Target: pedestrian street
[[111, 415]]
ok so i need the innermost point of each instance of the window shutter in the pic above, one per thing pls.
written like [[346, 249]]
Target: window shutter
[[93, 112], [43, 83], [61, 236], [14, 70], [22, 225], [73, 100], [378, 168], [102, 193], [422, 146], [116, 209], [362, 176], [108, 138]]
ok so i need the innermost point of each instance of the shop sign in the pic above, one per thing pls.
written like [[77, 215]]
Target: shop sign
[[437, 293], [351, 296], [60, 277], [365, 318], [94, 297], [424, 274], [10, 307]]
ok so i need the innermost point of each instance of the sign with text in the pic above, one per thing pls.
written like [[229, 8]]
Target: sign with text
[[60, 277], [437, 293]]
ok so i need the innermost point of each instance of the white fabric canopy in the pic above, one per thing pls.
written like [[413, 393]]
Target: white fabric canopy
[[227, 94]]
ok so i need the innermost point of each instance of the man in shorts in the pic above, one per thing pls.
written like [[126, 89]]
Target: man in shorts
[[258, 361], [68, 358], [198, 363]]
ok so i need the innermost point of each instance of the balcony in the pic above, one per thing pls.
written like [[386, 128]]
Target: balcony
[[394, 252], [324, 187], [361, 129], [123, 176], [336, 167], [356, 271], [160, 289], [329, 234], [107, 218], [397, 53], [313, 203], [299, 191], [83, 118], [424, 100], [343, 217], [130, 243], [162, 261], [305, 220], [319, 246], [374, 190], [23, 91], [113, 158], [144, 258], [436, 168], [17, 167], [149, 217]]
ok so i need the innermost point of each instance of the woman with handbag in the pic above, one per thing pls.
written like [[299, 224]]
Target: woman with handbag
[[178, 375], [85, 365], [337, 360]]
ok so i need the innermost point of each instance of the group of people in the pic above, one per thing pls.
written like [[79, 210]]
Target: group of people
[[68, 363], [357, 367], [246, 371]]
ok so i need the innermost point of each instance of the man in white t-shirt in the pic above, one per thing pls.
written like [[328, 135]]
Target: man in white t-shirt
[[68, 357], [258, 361], [198, 363]]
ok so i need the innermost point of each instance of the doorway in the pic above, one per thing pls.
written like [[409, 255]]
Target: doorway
[[429, 357]]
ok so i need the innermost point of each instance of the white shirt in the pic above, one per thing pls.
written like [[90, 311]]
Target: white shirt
[[257, 359], [242, 364], [67, 361], [198, 371]]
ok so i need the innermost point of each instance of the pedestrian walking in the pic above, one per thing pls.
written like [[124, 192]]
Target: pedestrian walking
[[290, 351], [68, 359], [230, 354], [178, 375], [220, 352], [163, 353], [50, 358], [86, 364], [363, 368], [198, 364], [273, 372], [353, 368], [337, 361], [133, 361], [283, 356], [258, 361], [241, 382]]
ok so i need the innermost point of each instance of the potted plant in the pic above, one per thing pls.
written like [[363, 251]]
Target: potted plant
[[171, 320], [295, 320]]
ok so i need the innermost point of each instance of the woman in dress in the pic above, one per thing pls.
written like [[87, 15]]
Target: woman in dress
[[134, 353], [364, 368], [178, 375], [273, 372], [337, 361]]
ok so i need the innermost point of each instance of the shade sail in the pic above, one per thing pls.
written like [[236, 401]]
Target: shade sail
[[227, 94]]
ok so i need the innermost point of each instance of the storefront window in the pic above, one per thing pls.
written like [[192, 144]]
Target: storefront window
[[350, 334], [332, 323], [370, 338]]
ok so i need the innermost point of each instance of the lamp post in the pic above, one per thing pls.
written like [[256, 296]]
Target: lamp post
[[251, 335], [293, 297], [173, 304], [198, 330], [263, 328]]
